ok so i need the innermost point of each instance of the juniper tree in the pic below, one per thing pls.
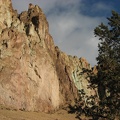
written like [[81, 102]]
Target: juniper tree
[[108, 77]]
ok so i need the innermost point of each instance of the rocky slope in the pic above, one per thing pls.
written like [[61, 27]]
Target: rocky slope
[[34, 74]]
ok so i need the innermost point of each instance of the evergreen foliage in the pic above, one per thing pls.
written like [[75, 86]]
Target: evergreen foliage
[[108, 77]]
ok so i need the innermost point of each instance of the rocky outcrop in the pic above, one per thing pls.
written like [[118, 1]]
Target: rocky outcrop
[[34, 74]]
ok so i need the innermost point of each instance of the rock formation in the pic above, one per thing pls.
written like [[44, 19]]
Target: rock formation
[[34, 74]]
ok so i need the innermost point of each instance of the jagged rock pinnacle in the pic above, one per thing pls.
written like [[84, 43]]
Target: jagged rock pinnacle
[[34, 74]]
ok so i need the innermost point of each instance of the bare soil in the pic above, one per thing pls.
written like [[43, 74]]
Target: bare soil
[[22, 115], [62, 114]]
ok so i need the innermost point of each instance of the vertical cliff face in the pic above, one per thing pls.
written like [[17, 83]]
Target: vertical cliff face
[[28, 78], [34, 74]]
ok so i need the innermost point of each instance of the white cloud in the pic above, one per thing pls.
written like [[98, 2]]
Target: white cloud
[[72, 31]]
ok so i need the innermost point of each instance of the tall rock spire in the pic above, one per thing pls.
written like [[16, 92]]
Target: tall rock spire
[[34, 74]]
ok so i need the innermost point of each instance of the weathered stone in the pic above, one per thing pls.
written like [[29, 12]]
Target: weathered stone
[[34, 74]]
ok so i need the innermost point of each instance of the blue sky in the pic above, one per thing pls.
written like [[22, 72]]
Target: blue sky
[[100, 7], [72, 22]]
